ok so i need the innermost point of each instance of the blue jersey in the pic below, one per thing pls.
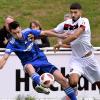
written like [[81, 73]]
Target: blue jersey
[[25, 49]]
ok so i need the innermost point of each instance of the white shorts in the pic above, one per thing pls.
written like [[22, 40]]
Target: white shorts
[[87, 66]]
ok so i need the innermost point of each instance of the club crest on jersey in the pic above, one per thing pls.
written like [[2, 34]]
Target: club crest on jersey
[[12, 41], [25, 42]]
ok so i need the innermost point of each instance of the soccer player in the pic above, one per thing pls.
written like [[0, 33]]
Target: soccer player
[[78, 38], [32, 58]]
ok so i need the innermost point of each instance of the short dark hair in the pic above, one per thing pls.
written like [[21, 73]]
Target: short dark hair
[[75, 6], [13, 25]]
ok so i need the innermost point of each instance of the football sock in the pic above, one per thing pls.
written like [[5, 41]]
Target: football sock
[[36, 78], [76, 90], [70, 93]]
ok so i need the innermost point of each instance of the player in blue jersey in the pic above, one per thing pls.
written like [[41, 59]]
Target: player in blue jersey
[[32, 58]]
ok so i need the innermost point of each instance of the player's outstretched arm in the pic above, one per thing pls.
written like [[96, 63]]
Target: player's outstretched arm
[[73, 36], [53, 34], [3, 60]]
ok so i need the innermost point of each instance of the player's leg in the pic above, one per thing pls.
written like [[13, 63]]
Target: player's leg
[[73, 81], [36, 79], [62, 80], [31, 71], [92, 72], [93, 75], [76, 70], [52, 87]]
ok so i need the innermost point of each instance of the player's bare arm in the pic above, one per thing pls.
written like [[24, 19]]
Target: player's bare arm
[[52, 34], [3, 60], [66, 42], [57, 46], [60, 44], [31, 36], [73, 36]]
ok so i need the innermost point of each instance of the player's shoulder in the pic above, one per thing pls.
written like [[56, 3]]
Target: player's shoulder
[[26, 30], [85, 19], [64, 22], [10, 45], [68, 21]]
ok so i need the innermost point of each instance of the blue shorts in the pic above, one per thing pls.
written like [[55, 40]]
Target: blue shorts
[[42, 65]]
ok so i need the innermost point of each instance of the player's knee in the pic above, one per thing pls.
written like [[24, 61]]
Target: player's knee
[[29, 69], [73, 80], [73, 83]]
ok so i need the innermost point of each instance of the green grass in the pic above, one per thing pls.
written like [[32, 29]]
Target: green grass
[[50, 13], [21, 97]]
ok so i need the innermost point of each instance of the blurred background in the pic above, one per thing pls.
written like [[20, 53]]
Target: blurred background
[[50, 13]]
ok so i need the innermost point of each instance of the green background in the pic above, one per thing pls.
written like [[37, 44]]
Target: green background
[[50, 13]]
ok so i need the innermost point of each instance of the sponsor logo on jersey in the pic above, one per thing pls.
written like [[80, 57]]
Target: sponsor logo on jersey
[[70, 27], [29, 47]]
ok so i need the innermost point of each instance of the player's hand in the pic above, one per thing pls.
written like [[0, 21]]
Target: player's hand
[[31, 37], [56, 47], [62, 36]]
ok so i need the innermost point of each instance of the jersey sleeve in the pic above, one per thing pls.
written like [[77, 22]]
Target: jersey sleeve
[[59, 28], [84, 24], [9, 48], [28, 31]]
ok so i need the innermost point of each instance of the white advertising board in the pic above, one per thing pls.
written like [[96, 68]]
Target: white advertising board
[[13, 81]]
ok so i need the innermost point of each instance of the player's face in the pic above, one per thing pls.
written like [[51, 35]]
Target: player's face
[[16, 33], [75, 14], [33, 26]]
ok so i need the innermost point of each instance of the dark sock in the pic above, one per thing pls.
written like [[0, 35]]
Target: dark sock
[[70, 93], [36, 78]]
